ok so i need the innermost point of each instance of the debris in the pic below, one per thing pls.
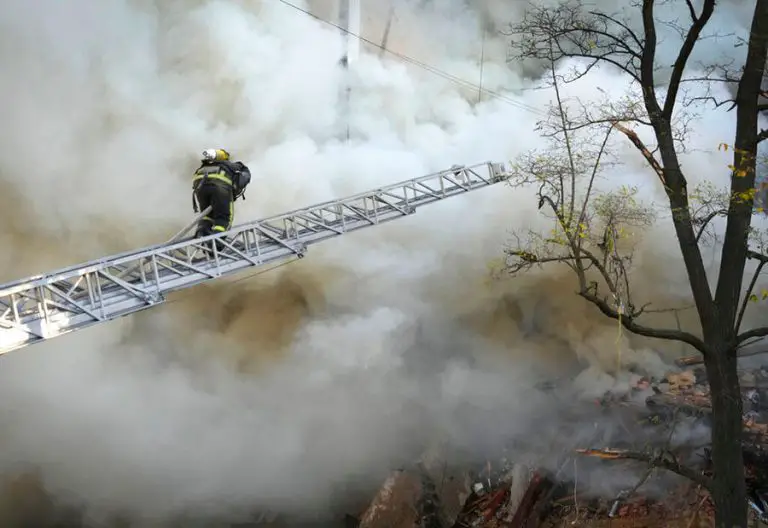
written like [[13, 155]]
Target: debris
[[502, 494], [682, 381], [395, 504], [448, 485], [698, 359], [520, 478]]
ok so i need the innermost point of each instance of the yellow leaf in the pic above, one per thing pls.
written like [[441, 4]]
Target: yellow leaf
[[753, 298], [765, 294]]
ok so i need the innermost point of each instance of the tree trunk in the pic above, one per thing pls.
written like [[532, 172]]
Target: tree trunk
[[740, 211], [729, 490]]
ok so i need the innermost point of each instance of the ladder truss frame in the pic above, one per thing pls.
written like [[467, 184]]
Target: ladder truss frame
[[41, 307]]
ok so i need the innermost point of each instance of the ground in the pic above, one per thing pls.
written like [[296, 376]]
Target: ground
[[662, 419]]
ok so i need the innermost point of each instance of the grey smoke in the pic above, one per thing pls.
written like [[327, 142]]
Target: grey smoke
[[270, 391]]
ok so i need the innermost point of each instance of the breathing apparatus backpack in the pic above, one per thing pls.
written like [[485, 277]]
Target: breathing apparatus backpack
[[241, 180]]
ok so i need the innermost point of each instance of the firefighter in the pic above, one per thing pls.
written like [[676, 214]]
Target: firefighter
[[218, 183]]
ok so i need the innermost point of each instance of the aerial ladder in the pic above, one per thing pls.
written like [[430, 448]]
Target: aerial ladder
[[39, 308]]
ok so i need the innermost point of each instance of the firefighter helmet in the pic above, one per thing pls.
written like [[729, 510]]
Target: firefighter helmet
[[215, 155]]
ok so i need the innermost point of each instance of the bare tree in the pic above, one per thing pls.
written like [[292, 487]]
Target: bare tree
[[593, 229]]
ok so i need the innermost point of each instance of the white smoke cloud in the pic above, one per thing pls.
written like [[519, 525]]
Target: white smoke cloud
[[268, 391]]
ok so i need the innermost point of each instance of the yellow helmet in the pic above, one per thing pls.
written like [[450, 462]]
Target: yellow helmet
[[215, 155]]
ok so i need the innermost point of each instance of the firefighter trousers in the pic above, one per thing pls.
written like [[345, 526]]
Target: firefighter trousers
[[222, 201]]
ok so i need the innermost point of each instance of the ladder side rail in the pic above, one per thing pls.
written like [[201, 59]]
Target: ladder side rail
[[303, 218], [416, 185], [47, 321], [80, 296]]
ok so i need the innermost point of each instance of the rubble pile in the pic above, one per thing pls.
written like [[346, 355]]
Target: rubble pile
[[572, 490]]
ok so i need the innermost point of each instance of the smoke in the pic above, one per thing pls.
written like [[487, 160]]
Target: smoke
[[271, 391]]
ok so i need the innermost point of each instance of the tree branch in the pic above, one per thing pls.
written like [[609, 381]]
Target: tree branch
[[598, 36], [664, 459], [612, 19], [763, 259], [601, 268], [748, 293], [592, 176], [685, 52], [632, 135], [692, 11], [647, 66], [755, 332], [689, 361], [707, 219], [530, 258], [751, 334], [605, 57], [569, 149], [628, 323]]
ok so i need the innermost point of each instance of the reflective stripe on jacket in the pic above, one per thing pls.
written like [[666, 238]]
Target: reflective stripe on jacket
[[212, 171]]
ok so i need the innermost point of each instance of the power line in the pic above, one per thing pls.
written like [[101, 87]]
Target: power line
[[441, 73]]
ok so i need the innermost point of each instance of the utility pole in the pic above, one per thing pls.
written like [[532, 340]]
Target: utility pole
[[349, 21]]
